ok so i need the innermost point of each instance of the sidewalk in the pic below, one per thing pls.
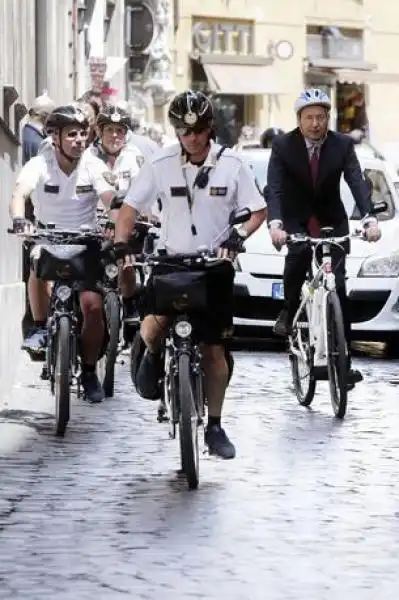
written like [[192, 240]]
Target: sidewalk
[[29, 399]]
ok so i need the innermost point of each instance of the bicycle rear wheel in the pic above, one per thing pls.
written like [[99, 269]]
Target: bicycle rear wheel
[[336, 355], [62, 374], [301, 358], [188, 424]]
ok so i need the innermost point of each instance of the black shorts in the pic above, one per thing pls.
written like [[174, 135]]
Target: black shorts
[[89, 285], [214, 324]]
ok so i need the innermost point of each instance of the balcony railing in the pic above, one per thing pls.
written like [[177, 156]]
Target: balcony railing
[[346, 48]]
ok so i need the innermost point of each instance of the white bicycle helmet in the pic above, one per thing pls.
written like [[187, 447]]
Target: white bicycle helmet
[[312, 97]]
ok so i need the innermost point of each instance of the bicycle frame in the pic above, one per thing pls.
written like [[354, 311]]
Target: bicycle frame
[[314, 300]]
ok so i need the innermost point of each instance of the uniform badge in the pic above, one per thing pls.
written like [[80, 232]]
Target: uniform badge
[[115, 117], [190, 118], [139, 161], [111, 178], [80, 117], [218, 191]]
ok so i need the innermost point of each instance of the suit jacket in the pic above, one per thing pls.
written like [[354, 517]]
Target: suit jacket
[[293, 198], [31, 140]]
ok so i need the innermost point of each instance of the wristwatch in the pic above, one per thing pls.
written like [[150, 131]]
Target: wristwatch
[[242, 233]]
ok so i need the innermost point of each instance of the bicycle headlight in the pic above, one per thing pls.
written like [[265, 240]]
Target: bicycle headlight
[[380, 266], [63, 293], [183, 329], [111, 271]]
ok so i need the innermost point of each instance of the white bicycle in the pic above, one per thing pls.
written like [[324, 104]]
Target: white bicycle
[[317, 345]]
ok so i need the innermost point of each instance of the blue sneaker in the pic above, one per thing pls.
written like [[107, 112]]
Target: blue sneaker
[[36, 341]]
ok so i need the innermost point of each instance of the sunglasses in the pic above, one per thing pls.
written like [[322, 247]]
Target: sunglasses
[[185, 131]]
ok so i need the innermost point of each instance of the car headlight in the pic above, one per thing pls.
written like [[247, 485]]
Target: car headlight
[[183, 329], [111, 271], [63, 293], [380, 266]]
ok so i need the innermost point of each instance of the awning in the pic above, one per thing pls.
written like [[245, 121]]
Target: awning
[[242, 79], [352, 76], [336, 63], [361, 77]]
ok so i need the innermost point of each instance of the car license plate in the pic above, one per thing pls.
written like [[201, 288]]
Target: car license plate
[[278, 291]]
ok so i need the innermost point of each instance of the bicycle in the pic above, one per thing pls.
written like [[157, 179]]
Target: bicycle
[[317, 340], [64, 259], [178, 286]]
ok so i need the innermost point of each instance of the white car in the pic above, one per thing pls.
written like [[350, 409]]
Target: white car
[[373, 269]]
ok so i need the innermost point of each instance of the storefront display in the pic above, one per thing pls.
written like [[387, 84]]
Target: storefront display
[[351, 108]]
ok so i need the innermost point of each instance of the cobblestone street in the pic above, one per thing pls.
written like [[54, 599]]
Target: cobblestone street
[[308, 510]]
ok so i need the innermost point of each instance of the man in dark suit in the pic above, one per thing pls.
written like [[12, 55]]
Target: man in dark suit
[[303, 194]]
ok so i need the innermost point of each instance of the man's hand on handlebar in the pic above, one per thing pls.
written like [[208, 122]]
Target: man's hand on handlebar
[[372, 231], [22, 226], [123, 255], [278, 237], [232, 246]]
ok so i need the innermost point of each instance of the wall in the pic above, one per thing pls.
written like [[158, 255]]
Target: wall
[[287, 20], [17, 68], [54, 52], [382, 47], [273, 22]]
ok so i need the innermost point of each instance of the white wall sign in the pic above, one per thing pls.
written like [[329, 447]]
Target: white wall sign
[[283, 49], [220, 37]]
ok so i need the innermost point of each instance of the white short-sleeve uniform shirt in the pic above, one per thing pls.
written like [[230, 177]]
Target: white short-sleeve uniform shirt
[[69, 201], [125, 169], [231, 186]]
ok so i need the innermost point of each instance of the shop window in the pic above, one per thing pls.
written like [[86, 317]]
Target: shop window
[[229, 118], [381, 193], [351, 108]]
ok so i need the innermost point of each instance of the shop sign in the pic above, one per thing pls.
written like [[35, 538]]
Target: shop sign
[[222, 37]]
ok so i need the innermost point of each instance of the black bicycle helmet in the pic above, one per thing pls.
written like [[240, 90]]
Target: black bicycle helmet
[[190, 110], [113, 115], [268, 136], [69, 114]]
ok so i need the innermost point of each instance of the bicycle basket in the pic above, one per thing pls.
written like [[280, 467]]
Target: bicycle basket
[[177, 292]]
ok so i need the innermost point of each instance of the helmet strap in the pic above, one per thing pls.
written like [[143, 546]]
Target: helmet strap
[[71, 159]]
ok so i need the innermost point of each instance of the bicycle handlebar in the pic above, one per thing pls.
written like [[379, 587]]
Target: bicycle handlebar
[[193, 258], [297, 238]]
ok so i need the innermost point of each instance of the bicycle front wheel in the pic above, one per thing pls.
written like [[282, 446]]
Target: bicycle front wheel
[[301, 358], [336, 355], [62, 374], [188, 424]]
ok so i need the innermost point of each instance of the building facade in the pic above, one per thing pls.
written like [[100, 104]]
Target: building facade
[[36, 40], [255, 57]]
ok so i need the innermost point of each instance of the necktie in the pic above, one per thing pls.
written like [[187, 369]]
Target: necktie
[[314, 164], [313, 224]]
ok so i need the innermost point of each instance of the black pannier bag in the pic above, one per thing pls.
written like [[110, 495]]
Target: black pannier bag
[[67, 262]]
